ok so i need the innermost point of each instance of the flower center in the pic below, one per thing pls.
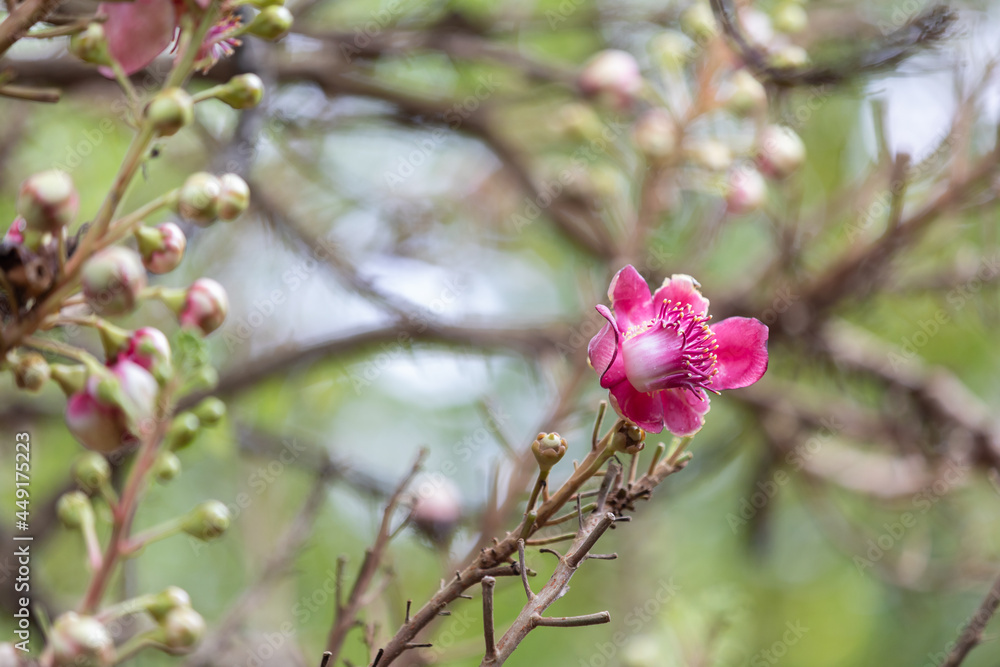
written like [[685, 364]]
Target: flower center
[[675, 349]]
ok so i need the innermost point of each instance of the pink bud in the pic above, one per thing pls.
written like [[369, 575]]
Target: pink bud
[[48, 201], [99, 417], [234, 198], [81, 641], [747, 190], [149, 348], [614, 75], [15, 235], [780, 151], [112, 281], [205, 306], [162, 247]]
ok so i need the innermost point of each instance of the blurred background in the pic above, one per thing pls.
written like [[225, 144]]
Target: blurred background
[[437, 207]]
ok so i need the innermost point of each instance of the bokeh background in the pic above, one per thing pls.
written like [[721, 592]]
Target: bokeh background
[[393, 286]]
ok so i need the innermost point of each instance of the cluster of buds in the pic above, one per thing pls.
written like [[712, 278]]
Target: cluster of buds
[[205, 198]]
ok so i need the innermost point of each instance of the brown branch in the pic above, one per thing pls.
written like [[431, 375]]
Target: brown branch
[[20, 20], [972, 635]]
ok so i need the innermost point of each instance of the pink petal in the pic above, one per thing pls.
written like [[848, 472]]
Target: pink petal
[[137, 31], [630, 298], [742, 352], [604, 353], [684, 410], [643, 409], [681, 288]]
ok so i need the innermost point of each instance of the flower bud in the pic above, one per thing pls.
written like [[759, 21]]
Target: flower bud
[[629, 439], [167, 600], [106, 413], [272, 23], [655, 134], [210, 411], [166, 467], [747, 190], [670, 49], [205, 306], [790, 18], [48, 201], [698, 22], [746, 94], [199, 198], [91, 471], [81, 641], [612, 75], [31, 371], [182, 628], [91, 46], [183, 430], [790, 56], [710, 154], [161, 247], [15, 234], [548, 449], [170, 111], [578, 121], [74, 509], [234, 198], [149, 348], [780, 151], [112, 280], [207, 521], [243, 91], [436, 509]]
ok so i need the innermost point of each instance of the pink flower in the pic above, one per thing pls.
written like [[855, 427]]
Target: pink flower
[[658, 355]]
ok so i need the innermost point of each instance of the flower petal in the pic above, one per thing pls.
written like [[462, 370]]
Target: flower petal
[[681, 288], [684, 410], [642, 408], [603, 352], [137, 31], [742, 353], [630, 298]]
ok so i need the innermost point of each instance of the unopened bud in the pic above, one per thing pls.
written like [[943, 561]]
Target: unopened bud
[[205, 306], [234, 197], [198, 200], [48, 201], [746, 94], [91, 471], [710, 154], [90, 45], [182, 628], [629, 439], [73, 509], [780, 151], [655, 135], [167, 600], [612, 75], [81, 641], [242, 91], [162, 247], [112, 280], [670, 49], [271, 23], [698, 22], [207, 521], [183, 430], [167, 466], [210, 411], [790, 18], [548, 449], [149, 348], [578, 121], [747, 190], [31, 371], [169, 111]]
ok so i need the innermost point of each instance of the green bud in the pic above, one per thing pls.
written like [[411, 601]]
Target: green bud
[[167, 466], [31, 371], [670, 49], [271, 23], [210, 411], [182, 628], [199, 198], [746, 94], [81, 641], [183, 430], [629, 439], [167, 600], [169, 111], [790, 18], [207, 521], [790, 56], [234, 197], [548, 449], [73, 509], [91, 46], [91, 471], [698, 22], [242, 91]]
